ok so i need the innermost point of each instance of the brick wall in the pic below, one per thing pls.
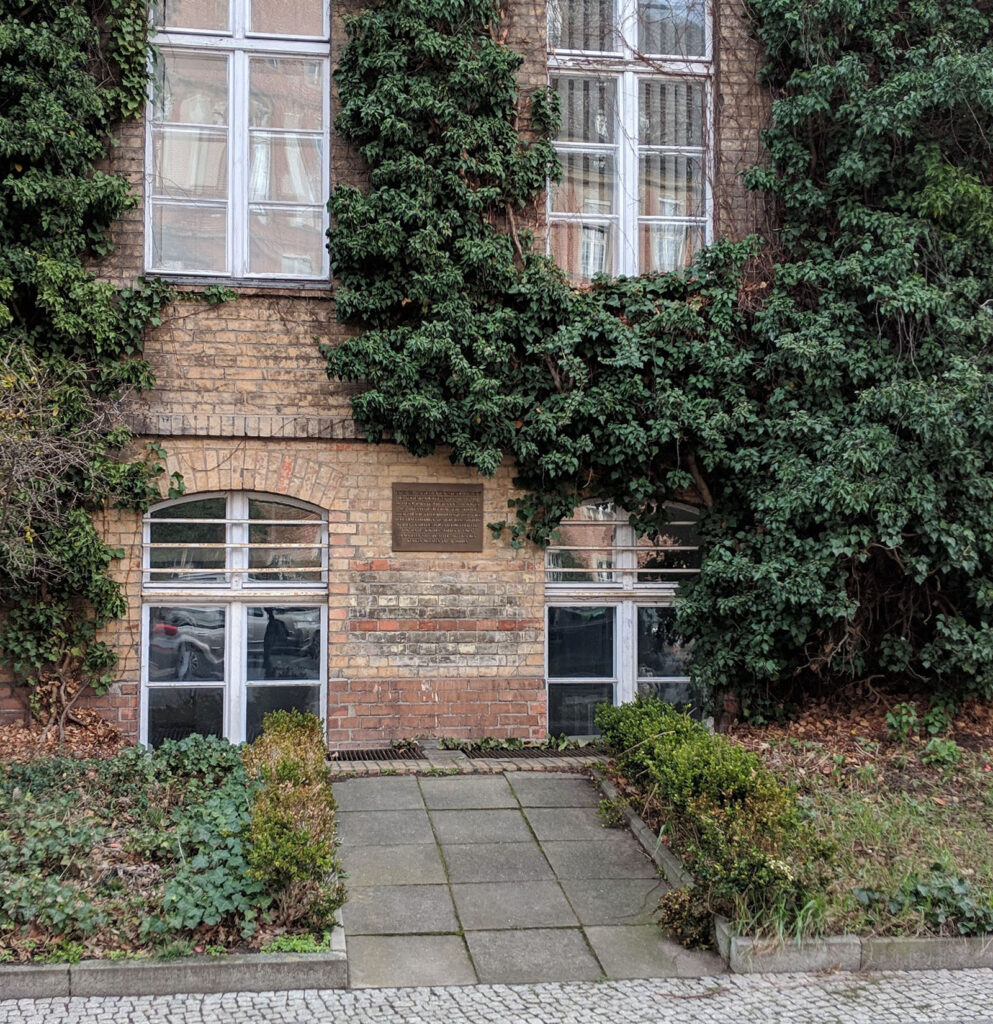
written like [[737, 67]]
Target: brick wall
[[444, 644]]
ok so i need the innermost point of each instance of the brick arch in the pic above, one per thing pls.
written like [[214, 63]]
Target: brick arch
[[301, 476]]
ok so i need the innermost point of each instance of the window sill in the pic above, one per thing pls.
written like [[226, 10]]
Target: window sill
[[246, 286]]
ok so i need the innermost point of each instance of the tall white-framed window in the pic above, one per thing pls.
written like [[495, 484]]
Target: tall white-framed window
[[237, 158], [234, 614], [611, 614], [634, 84]]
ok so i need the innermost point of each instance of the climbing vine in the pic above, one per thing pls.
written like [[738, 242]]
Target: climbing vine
[[832, 412], [70, 345]]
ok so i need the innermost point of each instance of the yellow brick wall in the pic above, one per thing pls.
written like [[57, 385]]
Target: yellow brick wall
[[445, 644]]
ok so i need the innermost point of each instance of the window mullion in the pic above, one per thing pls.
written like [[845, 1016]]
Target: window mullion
[[627, 20], [234, 672]]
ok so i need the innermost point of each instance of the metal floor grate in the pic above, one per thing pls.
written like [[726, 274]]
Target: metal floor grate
[[530, 753], [406, 753]]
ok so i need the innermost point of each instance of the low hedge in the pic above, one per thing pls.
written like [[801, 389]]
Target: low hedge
[[741, 833]]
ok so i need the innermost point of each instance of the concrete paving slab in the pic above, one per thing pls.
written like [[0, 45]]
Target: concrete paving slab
[[499, 862], [407, 864], [615, 854], [471, 791], [381, 961], [641, 951], [378, 794], [493, 905], [547, 789], [497, 826], [604, 901], [384, 828], [535, 955], [398, 910], [564, 822]]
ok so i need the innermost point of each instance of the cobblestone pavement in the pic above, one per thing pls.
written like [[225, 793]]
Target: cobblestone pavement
[[934, 997]]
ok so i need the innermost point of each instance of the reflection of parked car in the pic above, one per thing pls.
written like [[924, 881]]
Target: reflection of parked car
[[186, 644], [284, 643]]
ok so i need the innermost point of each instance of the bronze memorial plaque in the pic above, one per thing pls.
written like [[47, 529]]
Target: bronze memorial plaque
[[437, 517]]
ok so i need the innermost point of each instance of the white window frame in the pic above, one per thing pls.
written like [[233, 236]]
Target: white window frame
[[625, 595], [240, 45], [235, 596], [628, 66]]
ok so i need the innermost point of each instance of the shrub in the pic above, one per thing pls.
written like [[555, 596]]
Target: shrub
[[292, 831], [742, 833]]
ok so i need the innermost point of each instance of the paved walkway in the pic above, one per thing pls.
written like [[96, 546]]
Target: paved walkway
[[497, 879], [933, 997]]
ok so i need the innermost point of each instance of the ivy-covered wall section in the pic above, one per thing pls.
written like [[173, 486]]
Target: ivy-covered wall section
[[828, 400], [70, 345]]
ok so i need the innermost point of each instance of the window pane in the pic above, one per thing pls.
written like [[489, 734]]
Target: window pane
[[661, 649], [671, 185], [189, 238], [670, 113], [580, 642], [674, 691], [581, 25], [190, 162], [181, 560], [678, 548], [582, 250], [666, 247], [588, 109], [285, 168], [263, 699], [284, 643], [211, 15], [286, 241], [286, 92], [176, 712], [587, 185], [571, 707], [583, 552], [279, 18], [186, 644], [191, 88], [672, 27], [277, 557]]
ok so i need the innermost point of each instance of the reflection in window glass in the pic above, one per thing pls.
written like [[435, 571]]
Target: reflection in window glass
[[662, 651], [675, 28], [581, 25], [580, 642], [184, 550], [572, 707], [281, 552], [263, 699], [284, 643], [186, 644], [175, 712], [202, 15]]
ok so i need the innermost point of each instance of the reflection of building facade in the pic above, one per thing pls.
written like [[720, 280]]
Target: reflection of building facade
[[274, 581]]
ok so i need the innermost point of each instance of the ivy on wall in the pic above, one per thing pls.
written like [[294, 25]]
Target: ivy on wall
[[833, 414], [70, 345]]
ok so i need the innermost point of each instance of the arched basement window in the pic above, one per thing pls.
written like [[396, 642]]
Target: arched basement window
[[234, 614]]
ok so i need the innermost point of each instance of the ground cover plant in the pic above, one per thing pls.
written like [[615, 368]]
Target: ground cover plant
[[195, 847], [841, 821]]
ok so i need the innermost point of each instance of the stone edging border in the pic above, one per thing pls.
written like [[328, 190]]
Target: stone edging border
[[236, 972], [746, 955]]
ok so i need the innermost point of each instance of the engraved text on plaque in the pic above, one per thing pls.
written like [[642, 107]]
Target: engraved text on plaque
[[437, 517]]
